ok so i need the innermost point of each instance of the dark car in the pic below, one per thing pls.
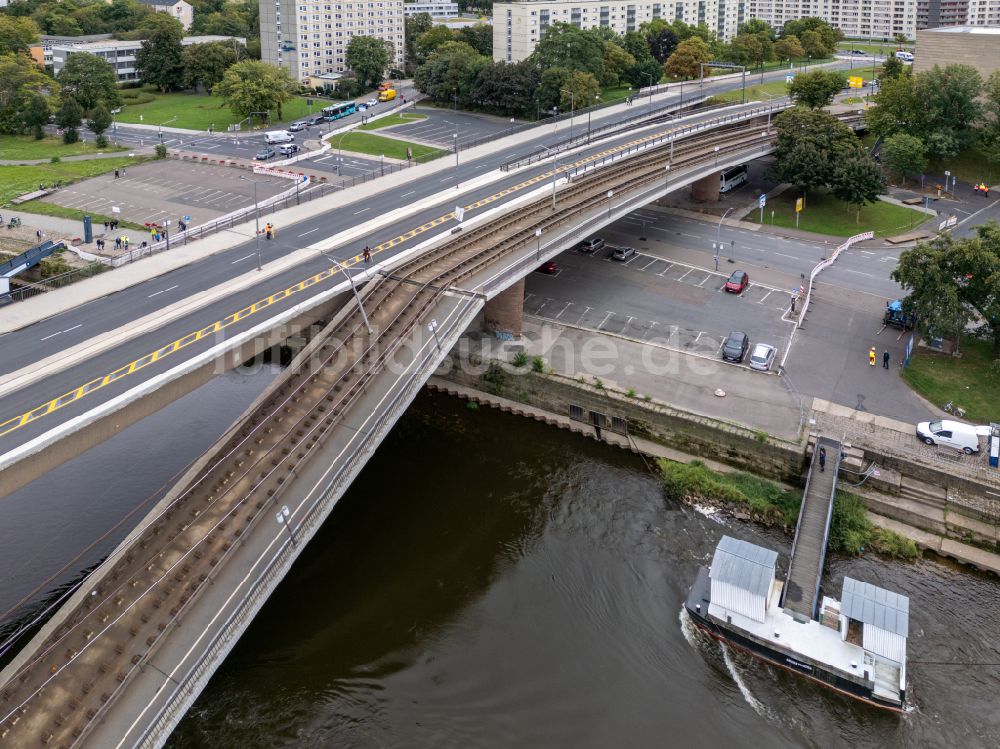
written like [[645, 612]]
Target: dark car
[[858, 52], [623, 253], [296, 127], [591, 245], [738, 281], [316, 119], [550, 268], [264, 154], [735, 347]]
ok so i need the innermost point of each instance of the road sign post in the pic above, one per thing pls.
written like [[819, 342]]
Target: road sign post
[[798, 210], [762, 201]]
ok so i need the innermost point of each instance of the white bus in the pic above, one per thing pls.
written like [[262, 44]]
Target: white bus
[[733, 177], [904, 56]]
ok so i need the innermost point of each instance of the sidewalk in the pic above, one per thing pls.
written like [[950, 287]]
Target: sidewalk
[[82, 157]]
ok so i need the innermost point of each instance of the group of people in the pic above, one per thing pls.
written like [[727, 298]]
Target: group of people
[[119, 173], [110, 225], [872, 356], [121, 243], [982, 188]]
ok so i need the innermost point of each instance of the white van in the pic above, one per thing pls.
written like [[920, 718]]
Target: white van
[[951, 433], [904, 56], [278, 136]]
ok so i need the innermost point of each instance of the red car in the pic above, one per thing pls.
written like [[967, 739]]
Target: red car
[[550, 267], [737, 282]]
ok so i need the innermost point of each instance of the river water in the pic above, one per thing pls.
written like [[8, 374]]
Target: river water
[[492, 582]]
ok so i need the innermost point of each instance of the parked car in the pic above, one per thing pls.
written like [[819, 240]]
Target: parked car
[[264, 154], [950, 433], [591, 245], [623, 253], [550, 268], [762, 356], [288, 149], [858, 52], [297, 126], [735, 347], [738, 281], [371, 103]]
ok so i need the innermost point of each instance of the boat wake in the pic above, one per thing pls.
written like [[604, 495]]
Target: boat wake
[[759, 707]]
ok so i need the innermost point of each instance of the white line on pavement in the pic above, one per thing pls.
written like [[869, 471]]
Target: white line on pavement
[[606, 318], [245, 257], [309, 232], [568, 305], [62, 331], [782, 254], [163, 291], [411, 192], [362, 210]]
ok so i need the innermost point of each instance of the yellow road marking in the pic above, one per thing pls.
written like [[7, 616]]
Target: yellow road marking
[[10, 425]]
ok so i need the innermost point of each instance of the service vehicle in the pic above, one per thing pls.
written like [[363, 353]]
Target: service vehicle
[[954, 434]]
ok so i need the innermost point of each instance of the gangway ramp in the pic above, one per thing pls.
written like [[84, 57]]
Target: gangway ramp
[[801, 592]]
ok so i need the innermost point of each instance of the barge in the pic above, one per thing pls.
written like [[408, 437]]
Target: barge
[[856, 646]]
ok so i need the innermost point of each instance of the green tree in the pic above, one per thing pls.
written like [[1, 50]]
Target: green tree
[[989, 132], [901, 39], [369, 58], [36, 115], [904, 154], [857, 181], [789, 48], [809, 145], [443, 75], [828, 35], [479, 37], [415, 25], [100, 120], [432, 39], [159, 61], [584, 88], [205, 64], [661, 39], [896, 108], [953, 283], [686, 60], [156, 24], [757, 27], [90, 79], [817, 88], [892, 67], [254, 86], [617, 63], [16, 34], [949, 108], [20, 79], [69, 117], [549, 92], [565, 46], [813, 44]]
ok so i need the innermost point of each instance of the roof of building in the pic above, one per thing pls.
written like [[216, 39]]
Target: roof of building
[[879, 607], [109, 44], [988, 30], [744, 565]]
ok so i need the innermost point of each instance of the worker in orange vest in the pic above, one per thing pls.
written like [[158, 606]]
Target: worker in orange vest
[[871, 356]]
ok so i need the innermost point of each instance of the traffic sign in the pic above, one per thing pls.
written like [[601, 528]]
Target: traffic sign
[[855, 82], [798, 205], [762, 200], [789, 77]]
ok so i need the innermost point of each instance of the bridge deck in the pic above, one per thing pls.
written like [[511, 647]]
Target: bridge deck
[[801, 593]]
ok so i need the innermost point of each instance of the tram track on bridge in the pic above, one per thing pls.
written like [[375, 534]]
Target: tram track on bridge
[[56, 697]]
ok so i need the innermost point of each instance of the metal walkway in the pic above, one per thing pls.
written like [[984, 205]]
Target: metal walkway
[[801, 593]]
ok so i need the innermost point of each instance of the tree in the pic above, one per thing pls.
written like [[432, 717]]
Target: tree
[[90, 79], [686, 60], [662, 41], [617, 63], [828, 35], [857, 181], [953, 283], [901, 38], [896, 108], [566, 46], [444, 74], [949, 107], [892, 67], [789, 48], [415, 25], [159, 61], [809, 145], [205, 64], [755, 26], [549, 92], [100, 120], [583, 87], [816, 89], [368, 57], [989, 132], [156, 24], [69, 117], [36, 115], [479, 37], [432, 39], [254, 86], [813, 44], [904, 154], [20, 79], [17, 34]]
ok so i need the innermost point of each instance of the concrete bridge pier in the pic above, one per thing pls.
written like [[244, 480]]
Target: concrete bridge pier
[[706, 189], [504, 313]]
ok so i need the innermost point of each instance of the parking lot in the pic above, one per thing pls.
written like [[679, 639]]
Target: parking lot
[[647, 298], [441, 125], [162, 190]]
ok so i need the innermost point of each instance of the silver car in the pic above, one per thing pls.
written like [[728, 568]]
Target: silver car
[[762, 356], [623, 253]]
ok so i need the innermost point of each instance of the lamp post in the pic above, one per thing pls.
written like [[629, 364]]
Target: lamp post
[[666, 177], [718, 237], [432, 326], [538, 244], [256, 206], [381, 164], [572, 108], [651, 82], [716, 155], [555, 174], [611, 194], [282, 517], [511, 125], [597, 99], [342, 265]]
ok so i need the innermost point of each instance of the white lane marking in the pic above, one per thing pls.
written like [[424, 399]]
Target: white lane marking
[[245, 257], [309, 232], [411, 192], [782, 254], [362, 210], [163, 291], [692, 236], [648, 264], [859, 273], [702, 284], [62, 331]]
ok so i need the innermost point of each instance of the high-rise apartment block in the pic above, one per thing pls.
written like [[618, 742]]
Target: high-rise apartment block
[[858, 19], [310, 37]]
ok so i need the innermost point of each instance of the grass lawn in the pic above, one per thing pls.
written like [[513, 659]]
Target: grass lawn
[[968, 381], [376, 145], [968, 166], [25, 148], [18, 180], [201, 111], [824, 214], [51, 209], [754, 93], [393, 119]]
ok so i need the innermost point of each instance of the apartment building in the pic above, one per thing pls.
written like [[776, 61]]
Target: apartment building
[[434, 10], [861, 19], [121, 55], [310, 37], [517, 26]]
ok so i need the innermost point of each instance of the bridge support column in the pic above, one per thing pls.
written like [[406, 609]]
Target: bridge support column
[[706, 189], [505, 312]]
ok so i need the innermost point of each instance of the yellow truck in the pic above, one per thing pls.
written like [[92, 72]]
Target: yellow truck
[[388, 95]]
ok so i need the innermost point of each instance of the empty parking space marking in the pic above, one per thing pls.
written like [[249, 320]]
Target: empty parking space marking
[[688, 271], [766, 296], [669, 266], [648, 264], [163, 291], [606, 318], [702, 284], [568, 305]]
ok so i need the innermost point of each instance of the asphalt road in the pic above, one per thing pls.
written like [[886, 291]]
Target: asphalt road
[[36, 342]]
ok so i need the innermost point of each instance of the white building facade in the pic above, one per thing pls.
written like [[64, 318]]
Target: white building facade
[[517, 26], [861, 19], [310, 37], [121, 55], [434, 10]]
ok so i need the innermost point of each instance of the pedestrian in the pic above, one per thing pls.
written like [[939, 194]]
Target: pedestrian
[[986, 190], [268, 229], [822, 459], [116, 174], [125, 243], [885, 359], [105, 226], [871, 356], [975, 187], [118, 243], [38, 235], [367, 254], [123, 172]]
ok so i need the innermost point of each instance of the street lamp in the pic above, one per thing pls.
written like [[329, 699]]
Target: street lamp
[[538, 245], [610, 195], [432, 326], [666, 178], [555, 174], [282, 517], [511, 125], [342, 265], [651, 83], [381, 164], [597, 99], [572, 108], [718, 237], [256, 206], [716, 155], [159, 128]]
